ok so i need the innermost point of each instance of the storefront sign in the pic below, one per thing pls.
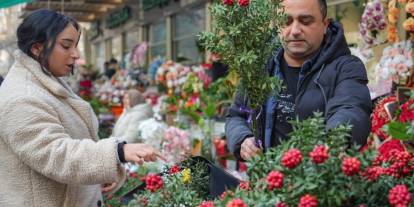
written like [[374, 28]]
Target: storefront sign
[[150, 4], [119, 17], [95, 30]]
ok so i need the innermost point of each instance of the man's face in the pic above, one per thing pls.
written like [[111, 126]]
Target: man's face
[[304, 29]]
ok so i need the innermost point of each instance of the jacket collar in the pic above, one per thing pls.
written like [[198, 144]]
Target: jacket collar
[[57, 86]]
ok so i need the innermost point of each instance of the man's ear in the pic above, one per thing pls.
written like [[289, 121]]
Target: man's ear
[[326, 24], [36, 50]]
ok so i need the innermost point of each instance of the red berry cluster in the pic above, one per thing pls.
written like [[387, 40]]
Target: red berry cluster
[[245, 185], [228, 2], [319, 154], [399, 196], [373, 173], [281, 204], [207, 204], [153, 182], [274, 180], [174, 169], [308, 201], [236, 203], [407, 111], [350, 166], [244, 3], [292, 158], [400, 163]]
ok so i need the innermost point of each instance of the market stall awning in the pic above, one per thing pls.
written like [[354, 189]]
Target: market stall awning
[[9, 3], [81, 10]]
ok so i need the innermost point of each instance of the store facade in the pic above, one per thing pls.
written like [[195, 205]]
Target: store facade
[[169, 27]]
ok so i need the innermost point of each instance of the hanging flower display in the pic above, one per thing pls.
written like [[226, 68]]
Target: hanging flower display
[[409, 8], [396, 62], [409, 25], [373, 21], [393, 14]]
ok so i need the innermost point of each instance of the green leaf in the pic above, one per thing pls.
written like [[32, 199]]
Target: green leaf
[[398, 130]]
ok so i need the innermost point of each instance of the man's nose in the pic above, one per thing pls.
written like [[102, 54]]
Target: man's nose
[[295, 29]]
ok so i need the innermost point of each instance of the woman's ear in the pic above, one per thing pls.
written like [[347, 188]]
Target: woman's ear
[[36, 50]]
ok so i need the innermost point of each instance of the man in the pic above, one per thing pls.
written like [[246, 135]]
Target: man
[[320, 74]]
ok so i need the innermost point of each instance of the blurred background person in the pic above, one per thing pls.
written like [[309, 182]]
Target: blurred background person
[[136, 110]]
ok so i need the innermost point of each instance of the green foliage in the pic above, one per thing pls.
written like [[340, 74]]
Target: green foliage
[[400, 130], [325, 181], [245, 38], [177, 192]]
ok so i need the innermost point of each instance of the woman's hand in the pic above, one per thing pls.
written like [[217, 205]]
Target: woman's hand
[[140, 153], [108, 187]]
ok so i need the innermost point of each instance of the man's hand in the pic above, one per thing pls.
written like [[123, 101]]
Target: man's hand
[[248, 149], [140, 153]]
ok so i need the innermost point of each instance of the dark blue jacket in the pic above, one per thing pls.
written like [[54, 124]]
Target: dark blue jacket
[[333, 82]]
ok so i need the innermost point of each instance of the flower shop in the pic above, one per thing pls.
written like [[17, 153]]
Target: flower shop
[[314, 167]]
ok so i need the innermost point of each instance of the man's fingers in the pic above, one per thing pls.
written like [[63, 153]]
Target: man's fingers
[[249, 149]]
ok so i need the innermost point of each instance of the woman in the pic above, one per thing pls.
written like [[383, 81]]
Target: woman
[[49, 149], [135, 111]]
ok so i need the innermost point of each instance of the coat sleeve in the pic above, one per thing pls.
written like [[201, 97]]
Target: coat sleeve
[[237, 128], [351, 103], [33, 131]]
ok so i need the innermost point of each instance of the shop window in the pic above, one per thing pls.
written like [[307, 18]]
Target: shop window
[[349, 14], [158, 38], [117, 48], [99, 51], [186, 26]]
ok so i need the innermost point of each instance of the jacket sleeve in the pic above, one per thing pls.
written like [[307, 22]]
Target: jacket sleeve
[[237, 128], [351, 103], [32, 130]]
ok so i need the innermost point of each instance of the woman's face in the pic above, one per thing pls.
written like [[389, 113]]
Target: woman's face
[[65, 52]]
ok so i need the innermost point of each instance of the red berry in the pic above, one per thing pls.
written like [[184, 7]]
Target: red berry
[[308, 201], [281, 204], [244, 3], [133, 175], [399, 196], [174, 169], [319, 154], [292, 158], [228, 2], [350, 166], [373, 173], [244, 185], [236, 203], [153, 182], [206, 204], [274, 180]]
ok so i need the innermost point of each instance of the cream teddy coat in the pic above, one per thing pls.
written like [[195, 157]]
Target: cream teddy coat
[[50, 155]]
